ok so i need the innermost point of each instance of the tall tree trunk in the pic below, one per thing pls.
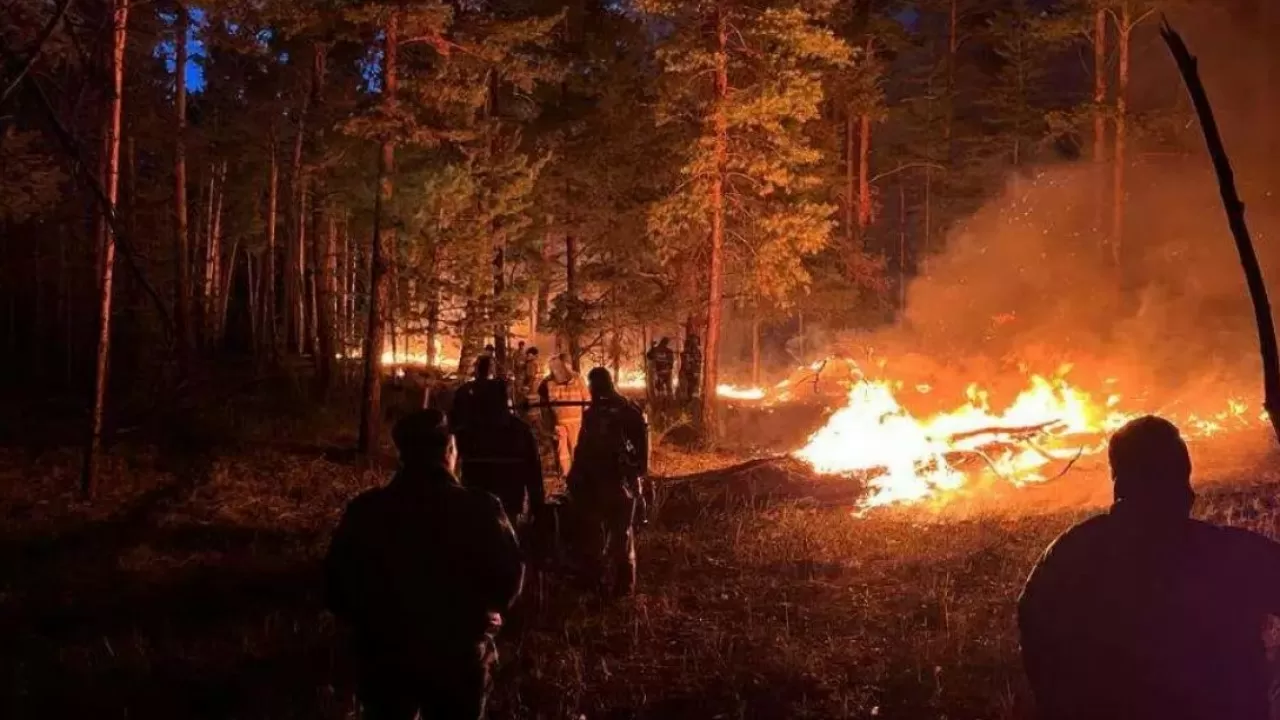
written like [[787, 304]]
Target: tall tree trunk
[[302, 305], [269, 269], [864, 166], [120, 24], [349, 286], [1118, 164], [255, 299], [182, 251], [544, 284], [295, 317], [953, 48], [800, 332], [99, 220], [850, 178], [433, 324], [224, 293], [66, 312], [498, 309], [755, 348], [200, 258], [571, 295], [500, 320], [215, 258], [533, 317], [1099, 115], [864, 174], [720, 138], [902, 246], [322, 241], [212, 257], [472, 339], [371, 397], [931, 159]]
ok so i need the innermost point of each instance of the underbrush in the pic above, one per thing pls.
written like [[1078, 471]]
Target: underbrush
[[191, 590]]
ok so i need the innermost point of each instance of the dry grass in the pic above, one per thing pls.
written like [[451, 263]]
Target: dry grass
[[191, 590]]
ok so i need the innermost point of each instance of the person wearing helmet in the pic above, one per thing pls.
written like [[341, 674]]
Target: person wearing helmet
[[563, 396]]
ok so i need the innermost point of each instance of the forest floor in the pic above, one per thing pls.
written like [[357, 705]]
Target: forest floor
[[190, 589]]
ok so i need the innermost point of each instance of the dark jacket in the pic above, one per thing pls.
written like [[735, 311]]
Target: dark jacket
[[612, 449], [1121, 620], [691, 362], [499, 455], [422, 565], [663, 359]]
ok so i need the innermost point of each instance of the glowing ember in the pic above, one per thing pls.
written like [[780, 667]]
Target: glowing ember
[[906, 459], [733, 392]]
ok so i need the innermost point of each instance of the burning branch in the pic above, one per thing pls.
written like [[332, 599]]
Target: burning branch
[[1011, 432], [1235, 218]]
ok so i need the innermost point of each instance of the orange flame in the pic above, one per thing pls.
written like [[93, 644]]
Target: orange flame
[[907, 459]]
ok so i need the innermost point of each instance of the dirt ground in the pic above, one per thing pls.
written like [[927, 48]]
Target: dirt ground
[[191, 590]]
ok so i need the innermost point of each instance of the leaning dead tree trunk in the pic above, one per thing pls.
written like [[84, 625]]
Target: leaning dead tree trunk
[[120, 24], [1235, 218]]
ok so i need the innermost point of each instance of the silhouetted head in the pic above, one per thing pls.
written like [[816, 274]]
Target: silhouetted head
[[422, 438], [520, 345], [1151, 469], [600, 383], [488, 348], [664, 342], [532, 352], [484, 367]]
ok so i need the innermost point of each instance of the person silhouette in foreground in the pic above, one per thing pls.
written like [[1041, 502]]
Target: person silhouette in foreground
[[464, 398], [607, 479], [499, 454], [421, 571], [1143, 612]]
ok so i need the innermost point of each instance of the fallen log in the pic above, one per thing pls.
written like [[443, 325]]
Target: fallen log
[[754, 484], [760, 483]]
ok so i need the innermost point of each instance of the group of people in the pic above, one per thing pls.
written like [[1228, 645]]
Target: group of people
[[660, 366], [424, 568], [1141, 612]]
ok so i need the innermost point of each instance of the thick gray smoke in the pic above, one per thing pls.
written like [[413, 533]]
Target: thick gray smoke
[[1025, 285]]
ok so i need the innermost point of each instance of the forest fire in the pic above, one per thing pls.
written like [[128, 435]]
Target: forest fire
[[910, 459]]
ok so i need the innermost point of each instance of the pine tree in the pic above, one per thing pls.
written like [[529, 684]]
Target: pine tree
[[1024, 40], [745, 81]]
